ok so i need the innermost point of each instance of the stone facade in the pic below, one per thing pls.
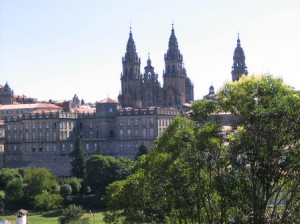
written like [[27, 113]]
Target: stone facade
[[46, 138]]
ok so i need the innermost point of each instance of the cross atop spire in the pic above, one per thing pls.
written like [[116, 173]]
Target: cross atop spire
[[238, 41]]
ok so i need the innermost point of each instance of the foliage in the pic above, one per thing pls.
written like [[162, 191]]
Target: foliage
[[198, 173], [8, 174], [2, 197], [72, 214], [75, 183], [142, 150], [47, 201], [175, 180], [264, 147], [103, 170], [66, 190], [38, 180], [78, 162], [15, 191]]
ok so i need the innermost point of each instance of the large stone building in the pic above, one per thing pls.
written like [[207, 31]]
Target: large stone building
[[43, 135], [144, 90]]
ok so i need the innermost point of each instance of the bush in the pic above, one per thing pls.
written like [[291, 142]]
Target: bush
[[72, 214], [66, 190], [75, 183]]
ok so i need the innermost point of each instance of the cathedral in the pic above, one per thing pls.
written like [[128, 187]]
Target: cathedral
[[141, 90], [43, 134]]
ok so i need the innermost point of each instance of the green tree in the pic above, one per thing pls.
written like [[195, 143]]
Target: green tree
[[66, 190], [103, 170], [15, 191], [142, 150], [8, 174], [264, 148], [176, 181], [48, 201], [78, 162], [38, 180], [75, 183]]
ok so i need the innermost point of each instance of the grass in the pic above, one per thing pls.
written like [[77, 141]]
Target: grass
[[51, 217]]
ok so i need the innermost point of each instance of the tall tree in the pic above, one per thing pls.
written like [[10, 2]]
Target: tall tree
[[142, 150], [103, 170], [78, 162], [264, 148]]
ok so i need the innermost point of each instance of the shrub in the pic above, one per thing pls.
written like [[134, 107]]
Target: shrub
[[66, 190], [72, 214]]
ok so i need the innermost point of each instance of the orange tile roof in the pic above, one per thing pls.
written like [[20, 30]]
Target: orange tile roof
[[29, 106]]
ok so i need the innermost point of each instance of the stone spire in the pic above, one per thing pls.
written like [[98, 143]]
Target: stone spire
[[239, 67], [131, 78], [131, 54], [173, 52]]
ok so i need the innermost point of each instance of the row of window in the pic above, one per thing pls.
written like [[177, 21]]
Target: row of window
[[135, 122], [127, 134], [63, 125], [53, 148]]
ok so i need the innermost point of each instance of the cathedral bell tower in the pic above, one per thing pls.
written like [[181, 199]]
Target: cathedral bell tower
[[131, 78], [151, 89], [239, 67], [174, 75]]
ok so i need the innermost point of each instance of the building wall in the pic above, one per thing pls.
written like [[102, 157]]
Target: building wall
[[47, 138]]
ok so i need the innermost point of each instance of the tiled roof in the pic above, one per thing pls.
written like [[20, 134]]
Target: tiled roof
[[29, 106], [108, 100]]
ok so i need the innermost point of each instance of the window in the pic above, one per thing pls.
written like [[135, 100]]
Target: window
[[121, 134], [144, 133], [151, 132]]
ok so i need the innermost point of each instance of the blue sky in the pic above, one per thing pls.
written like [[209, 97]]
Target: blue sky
[[52, 49]]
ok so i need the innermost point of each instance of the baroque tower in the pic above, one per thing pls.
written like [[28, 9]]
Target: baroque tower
[[144, 90], [239, 67], [130, 77], [174, 75], [151, 88]]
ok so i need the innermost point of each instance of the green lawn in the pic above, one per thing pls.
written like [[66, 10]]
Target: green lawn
[[50, 217]]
